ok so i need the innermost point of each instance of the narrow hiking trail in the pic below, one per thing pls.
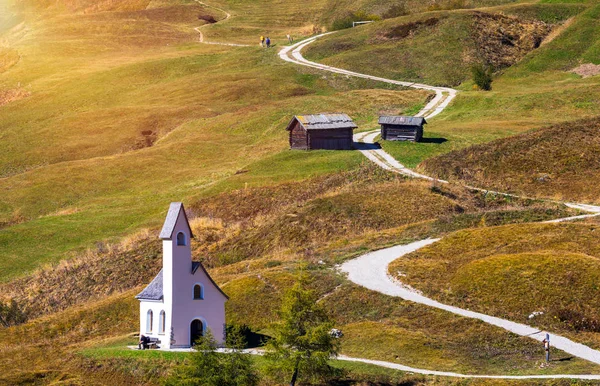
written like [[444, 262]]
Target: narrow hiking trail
[[371, 270], [227, 17]]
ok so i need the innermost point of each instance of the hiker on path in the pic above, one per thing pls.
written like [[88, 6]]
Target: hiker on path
[[262, 41], [289, 38], [546, 342], [268, 42]]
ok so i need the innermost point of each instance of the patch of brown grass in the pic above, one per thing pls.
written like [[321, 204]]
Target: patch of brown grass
[[94, 275], [504, 40], [513, 271], [44, 351], [405, 30], [559, 161], [305, 218], [8, 58]]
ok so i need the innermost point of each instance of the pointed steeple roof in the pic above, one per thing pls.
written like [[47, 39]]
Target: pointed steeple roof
[[169, 226]]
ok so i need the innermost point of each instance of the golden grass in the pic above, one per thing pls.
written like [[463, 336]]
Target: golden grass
[[513, 271], [80, 169], [557, 162], [44, 351]]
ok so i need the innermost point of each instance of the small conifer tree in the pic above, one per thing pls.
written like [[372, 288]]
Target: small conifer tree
[[302, 343]]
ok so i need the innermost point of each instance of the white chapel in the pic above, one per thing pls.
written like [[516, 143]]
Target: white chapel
[[182, 302]]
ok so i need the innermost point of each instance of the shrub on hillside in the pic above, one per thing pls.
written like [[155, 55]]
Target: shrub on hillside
[[482, 76], [206, 367], [11, 314], [351, 17]]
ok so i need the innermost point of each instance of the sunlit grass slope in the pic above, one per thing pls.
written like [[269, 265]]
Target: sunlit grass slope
[[515, 271], [557, 161], [124, 112], [114, 109], [440, 44]]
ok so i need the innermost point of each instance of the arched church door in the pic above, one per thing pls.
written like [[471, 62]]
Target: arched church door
[[196, 331]]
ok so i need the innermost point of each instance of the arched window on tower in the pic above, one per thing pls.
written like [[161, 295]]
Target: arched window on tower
[[161, 323], [149, 321], [181, 238], [198, 292]]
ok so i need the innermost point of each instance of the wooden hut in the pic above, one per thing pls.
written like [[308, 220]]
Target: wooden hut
[[321, 131], [395, 128]]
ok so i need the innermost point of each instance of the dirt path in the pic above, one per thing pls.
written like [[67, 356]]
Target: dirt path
[[396, 366], [370, 270], [227, 17]]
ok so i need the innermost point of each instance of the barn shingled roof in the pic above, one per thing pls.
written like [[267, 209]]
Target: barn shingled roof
[[167, 230], [402, 121], [324, 121], [154, 290]]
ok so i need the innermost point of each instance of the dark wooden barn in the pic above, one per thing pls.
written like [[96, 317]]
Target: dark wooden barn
[[395, 128], [321, 131]]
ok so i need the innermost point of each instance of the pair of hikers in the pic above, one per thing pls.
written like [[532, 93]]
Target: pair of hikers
[[264, 41], [267, 40]]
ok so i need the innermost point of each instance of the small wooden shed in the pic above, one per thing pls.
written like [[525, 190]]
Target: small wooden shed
[[321, 131], [396, 128]]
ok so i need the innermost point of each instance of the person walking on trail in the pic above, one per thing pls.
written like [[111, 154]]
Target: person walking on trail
[[546, 342], [289, 38], [268, 42], [262, 41]]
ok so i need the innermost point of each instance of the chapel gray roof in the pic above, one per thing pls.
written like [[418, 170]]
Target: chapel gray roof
[[154, 290], [324, 121], [167, 230], [402, 121]]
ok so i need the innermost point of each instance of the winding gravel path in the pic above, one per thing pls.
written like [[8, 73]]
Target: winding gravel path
[[371, 270], [365, 141]]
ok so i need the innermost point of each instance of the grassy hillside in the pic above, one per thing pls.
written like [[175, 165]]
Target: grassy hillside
[[68, 346], [440, 46], [109, 110], [121, 113], [514, 271], [318, 220], [557, 161]]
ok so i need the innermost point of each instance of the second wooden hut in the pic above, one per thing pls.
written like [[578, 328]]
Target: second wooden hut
[[397, 128]]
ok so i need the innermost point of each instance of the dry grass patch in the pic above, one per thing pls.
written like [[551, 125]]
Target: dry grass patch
[[102, 272], [513, 271], [8, 58], [44, 351], [558, 161]]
